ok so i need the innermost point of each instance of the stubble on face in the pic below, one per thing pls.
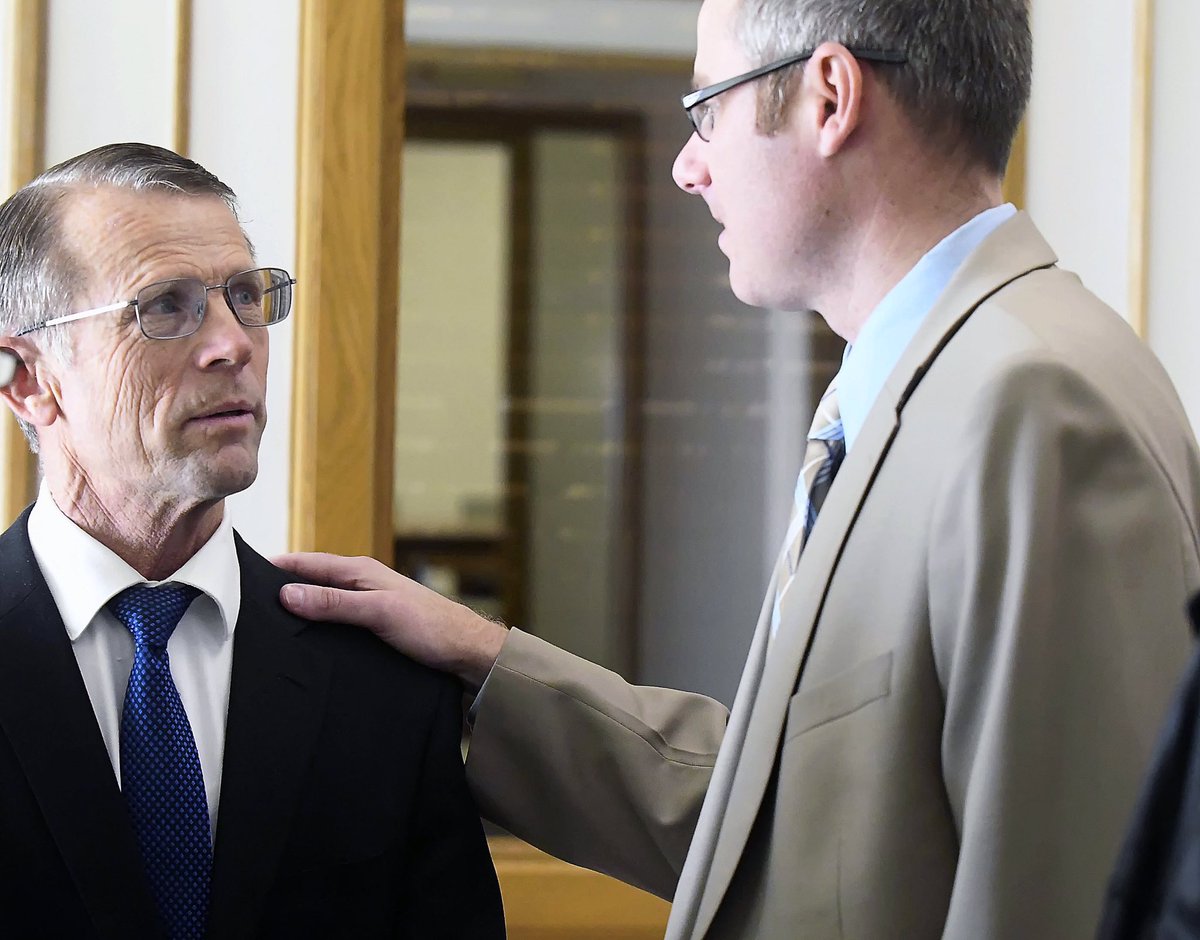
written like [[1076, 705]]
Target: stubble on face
[[767, 191], [149, 430]]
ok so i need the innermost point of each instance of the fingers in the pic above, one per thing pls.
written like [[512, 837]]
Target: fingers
[[336, 570], [314, 602], [418, 622]]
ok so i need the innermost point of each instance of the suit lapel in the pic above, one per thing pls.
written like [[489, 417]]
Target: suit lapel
[[48, 719], [696, 866], [276, 700], [1012, 251]]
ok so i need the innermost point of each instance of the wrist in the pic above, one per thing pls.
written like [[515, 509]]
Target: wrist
[[482, 642]]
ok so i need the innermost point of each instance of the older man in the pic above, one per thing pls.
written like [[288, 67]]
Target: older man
[[973, 626], [178, 754]]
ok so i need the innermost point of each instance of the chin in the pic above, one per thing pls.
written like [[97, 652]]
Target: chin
[[747, 291], [753, 292], [219, 479]]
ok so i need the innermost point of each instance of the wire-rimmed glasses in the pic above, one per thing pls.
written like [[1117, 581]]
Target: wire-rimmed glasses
[[175, 308]]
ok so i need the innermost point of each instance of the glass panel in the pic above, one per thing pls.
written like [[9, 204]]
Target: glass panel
[[511, 434], [451, 356], [575, 421]]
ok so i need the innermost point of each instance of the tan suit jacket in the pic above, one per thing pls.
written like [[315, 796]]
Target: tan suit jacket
[[946, 736]]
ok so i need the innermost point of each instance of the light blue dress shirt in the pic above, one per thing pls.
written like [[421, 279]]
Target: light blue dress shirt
[[892, 325], [888, 330]]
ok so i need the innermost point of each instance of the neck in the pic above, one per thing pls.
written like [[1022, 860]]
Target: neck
[[892, 232], [155, 538]]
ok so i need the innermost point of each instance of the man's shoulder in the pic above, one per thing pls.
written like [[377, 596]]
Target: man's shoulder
[[356, 655], [1044, 352], [19, 572], [1048, 321]]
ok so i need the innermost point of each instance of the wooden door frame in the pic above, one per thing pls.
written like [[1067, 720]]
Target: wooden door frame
[[28, 72], [351, 129]]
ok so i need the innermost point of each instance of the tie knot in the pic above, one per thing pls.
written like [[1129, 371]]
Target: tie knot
[[151, 614], [827, 417]]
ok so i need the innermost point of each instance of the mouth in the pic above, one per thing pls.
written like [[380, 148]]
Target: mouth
[[231, 415]]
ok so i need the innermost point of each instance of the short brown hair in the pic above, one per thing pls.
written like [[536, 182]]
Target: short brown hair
[[967, 79]]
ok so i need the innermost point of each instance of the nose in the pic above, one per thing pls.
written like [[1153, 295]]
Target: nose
[[690, 170], [224, 340]]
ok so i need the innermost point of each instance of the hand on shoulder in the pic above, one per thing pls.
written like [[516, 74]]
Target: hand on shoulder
[[420, 623]]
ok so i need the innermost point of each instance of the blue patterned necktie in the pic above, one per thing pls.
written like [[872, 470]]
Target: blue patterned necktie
[[160, 768]]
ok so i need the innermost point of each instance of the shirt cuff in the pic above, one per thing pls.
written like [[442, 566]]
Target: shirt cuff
[[473, 710]]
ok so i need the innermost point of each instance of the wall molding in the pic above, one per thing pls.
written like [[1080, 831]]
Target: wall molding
[[29, 31], [1141, 138], [1014, 185], [181, 131]]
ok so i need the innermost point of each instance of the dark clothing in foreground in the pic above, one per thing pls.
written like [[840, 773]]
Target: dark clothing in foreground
[[1155, 891], [343, 812]]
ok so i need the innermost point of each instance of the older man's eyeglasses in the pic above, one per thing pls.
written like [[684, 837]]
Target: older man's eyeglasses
[[702, 115], [175, 308]]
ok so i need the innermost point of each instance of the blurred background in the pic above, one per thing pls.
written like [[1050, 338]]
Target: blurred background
[[515, 369]]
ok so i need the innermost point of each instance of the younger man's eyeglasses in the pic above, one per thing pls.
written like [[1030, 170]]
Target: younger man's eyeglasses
[[701, 114]]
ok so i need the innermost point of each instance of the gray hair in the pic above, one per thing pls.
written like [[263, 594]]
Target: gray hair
[[968, 75], [39, 275]]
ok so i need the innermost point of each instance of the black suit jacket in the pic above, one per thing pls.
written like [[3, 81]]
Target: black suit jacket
[[1155, 890], [344, 810]]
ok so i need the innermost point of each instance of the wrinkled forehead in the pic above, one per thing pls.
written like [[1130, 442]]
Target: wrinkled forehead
[[124, 239]]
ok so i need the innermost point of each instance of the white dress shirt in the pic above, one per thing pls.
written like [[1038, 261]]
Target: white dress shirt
[[84, 575]]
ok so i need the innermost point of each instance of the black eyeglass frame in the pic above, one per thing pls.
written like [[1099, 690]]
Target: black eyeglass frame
[[287, 282], [701, 95]]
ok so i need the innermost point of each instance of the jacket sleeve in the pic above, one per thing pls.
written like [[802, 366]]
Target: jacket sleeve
[[573, 759], [1062, 558]]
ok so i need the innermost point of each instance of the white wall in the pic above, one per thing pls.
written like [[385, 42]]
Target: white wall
[[1080, 168], [1174, 312], [6, 96], [109, 74], [1079, 151]]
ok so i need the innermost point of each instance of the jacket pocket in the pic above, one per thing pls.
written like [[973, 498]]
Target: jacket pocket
[[839, 695]]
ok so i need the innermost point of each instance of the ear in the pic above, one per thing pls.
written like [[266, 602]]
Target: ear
[[30, 392], [836, 79]]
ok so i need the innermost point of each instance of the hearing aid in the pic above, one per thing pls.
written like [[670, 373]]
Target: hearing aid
[[8, 366]]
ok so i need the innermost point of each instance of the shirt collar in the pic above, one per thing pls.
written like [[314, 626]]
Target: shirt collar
[[893, 323], [83, 575]]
